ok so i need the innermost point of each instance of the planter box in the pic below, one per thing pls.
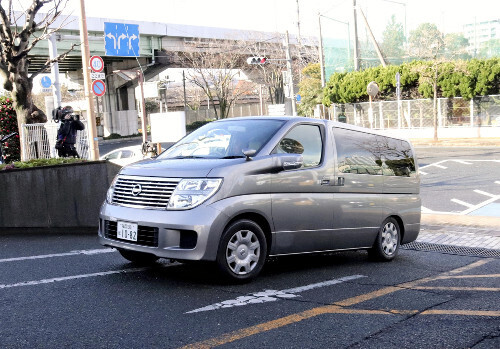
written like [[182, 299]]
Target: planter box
[[61, 196]]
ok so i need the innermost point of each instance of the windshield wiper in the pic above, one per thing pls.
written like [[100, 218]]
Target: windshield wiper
[[188, 157], [233, 157]]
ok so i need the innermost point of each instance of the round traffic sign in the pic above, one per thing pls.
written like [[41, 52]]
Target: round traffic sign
[[97, 64], [98, 88], [46, 82]]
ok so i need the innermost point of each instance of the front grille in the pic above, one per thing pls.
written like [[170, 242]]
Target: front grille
[[146, 236], [144, 192]]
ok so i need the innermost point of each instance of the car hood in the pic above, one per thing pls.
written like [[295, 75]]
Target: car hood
[[176, 168]]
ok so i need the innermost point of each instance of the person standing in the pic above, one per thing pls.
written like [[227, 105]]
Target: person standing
[[66, 135]]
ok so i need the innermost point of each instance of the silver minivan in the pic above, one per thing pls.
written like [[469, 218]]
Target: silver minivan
[[238, 191]]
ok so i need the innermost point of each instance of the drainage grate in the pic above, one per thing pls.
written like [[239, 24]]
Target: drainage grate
[[450, 249]]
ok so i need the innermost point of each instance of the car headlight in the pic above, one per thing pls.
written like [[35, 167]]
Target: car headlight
[[192, 192], [111, 190]]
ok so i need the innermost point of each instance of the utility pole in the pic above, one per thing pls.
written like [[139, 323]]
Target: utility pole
[[290, 74], [356, 42], [374, 42], [92, 129], [321, 55], [140, 76], [298, 24], [184, 90], [56, 90]]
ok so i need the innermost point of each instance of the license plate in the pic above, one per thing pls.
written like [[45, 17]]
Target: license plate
[[126, 231]]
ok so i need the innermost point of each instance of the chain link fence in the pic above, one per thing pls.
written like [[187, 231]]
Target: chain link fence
[[419, 113], [39, 141]]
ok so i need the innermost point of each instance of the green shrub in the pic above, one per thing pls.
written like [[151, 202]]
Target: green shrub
[[197, 124], [39, 163], [8, 124]]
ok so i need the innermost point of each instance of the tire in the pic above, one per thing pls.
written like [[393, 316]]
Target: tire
[[138, 257], [386, 246], [242, 250]]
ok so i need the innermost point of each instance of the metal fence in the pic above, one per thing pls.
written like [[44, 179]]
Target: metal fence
[[39, 141], [419, 113]]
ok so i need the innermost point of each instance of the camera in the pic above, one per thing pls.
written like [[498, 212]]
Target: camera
[[59, 114]]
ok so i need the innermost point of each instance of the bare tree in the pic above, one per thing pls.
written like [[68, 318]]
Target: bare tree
[[16, 42], [215, 68]]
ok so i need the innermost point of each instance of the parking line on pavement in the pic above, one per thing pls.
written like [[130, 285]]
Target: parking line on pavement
[[485, 193], [73, 277], [462, 203], [65, 254], [339, 307]]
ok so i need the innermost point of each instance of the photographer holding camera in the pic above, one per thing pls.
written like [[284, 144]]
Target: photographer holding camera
[[66, 135]]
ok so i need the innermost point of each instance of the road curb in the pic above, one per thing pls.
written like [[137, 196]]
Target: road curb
[[460, 220]]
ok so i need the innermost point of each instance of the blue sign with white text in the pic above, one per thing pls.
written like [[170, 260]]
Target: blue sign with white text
[[121, 39]]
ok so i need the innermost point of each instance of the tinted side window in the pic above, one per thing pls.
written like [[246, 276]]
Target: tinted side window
[[305, 140], [127, 154], [397, 157], [357, 152]]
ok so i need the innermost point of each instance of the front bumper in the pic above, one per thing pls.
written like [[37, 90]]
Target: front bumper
[[186, 235]]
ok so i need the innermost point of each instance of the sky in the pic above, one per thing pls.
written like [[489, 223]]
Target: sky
[[281, 15]]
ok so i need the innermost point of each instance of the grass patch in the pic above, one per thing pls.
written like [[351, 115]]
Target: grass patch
[[39, 163]]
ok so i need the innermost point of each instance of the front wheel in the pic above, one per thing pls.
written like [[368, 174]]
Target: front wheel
[[138, 257], [386, 246], [242, 250]]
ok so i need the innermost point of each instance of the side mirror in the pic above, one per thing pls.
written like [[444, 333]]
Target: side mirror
[[249, 153], [289, 162]]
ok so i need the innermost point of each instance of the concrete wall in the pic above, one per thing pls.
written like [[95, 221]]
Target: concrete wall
[[60, 196]]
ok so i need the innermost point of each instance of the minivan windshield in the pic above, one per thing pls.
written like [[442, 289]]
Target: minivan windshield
[[224, 139]]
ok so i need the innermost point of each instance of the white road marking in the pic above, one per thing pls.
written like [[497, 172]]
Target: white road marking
[[73, 277], [462, 203], [423, 173], [426, 210], [463, 162], [482, 204], [485, 193], [439, 166], [497, 182], [272, 295], [71, 253]]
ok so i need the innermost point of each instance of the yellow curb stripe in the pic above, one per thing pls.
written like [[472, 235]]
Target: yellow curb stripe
[[469, 276], [482, 289], [462, 312], [294, 318]]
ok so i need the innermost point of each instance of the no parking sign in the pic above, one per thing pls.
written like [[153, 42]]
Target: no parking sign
[[98, 88]]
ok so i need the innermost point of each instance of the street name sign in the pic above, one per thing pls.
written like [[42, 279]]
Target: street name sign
[[121, 39]]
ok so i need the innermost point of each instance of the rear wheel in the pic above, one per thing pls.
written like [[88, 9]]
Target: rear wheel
[[242, 250], [386, 246], [138, 257]]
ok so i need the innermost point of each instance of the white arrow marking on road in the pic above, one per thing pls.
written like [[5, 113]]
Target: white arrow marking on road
[[120, 38], [71, 253], [111, 36], [132, 37], [272, 295]]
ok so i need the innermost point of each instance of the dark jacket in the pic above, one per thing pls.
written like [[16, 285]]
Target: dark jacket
[[68, 130]]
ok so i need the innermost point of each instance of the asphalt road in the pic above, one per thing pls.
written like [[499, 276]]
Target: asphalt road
[[460, 180], [67, 291]]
